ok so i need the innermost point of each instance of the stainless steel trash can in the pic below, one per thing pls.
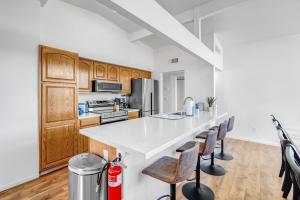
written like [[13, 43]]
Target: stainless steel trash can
[[83, 173]]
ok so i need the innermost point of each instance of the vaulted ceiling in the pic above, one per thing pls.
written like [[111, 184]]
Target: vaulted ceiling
[[240, 22]]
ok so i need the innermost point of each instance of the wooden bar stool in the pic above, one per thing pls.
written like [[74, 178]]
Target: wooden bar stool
[[172, 170], [196, 190], [293, 166], [212, 168]]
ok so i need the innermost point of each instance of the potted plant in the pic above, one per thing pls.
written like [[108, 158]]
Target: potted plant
[[210, 102]]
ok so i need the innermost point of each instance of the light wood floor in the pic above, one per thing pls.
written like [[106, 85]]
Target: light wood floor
[[252, 175]]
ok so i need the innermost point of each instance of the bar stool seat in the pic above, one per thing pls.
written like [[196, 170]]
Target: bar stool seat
[[203, 135], [212, 168], [196, 190], [163, 169], [190, 144], [171, 170]]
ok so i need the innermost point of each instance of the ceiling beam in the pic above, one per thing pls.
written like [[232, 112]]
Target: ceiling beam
[[206, 10], [138, 35], [153, 17], [183, 18]]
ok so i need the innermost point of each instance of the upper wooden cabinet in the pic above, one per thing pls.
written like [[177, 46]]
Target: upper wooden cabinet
[[113, 72], [125, 79], [135, 73], [59, 102], [100, 70], [58, 65], [85, 75], [145, 74]]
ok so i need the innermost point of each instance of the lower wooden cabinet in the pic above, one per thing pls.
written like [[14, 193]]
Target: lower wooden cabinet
[[133, 115], [83, 141], [58, 144]]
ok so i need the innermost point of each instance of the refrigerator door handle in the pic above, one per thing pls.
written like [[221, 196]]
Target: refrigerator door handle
[[151, 106]]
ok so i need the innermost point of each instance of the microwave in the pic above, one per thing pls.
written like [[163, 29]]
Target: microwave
[[106, 86]]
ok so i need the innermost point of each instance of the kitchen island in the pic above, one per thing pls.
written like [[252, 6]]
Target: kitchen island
[[142, 141]]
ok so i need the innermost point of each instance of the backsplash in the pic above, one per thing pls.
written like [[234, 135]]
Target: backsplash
[[83, 97]]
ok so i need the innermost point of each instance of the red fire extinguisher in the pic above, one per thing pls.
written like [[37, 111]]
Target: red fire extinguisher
[[115, 180]]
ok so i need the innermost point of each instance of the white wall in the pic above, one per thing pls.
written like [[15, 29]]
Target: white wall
[[92, 36], [19, 39], [259, 79], [24, 25], [199, 82]]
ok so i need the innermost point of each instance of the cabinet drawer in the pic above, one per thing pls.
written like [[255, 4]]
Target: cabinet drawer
[[93, 121], [133, 115]]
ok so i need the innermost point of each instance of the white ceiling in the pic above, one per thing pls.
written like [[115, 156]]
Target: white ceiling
[[175, 7], [114, 17], [255, 20], [249, 21]]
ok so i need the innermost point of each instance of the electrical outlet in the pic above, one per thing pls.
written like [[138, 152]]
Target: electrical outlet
[[105, 154]]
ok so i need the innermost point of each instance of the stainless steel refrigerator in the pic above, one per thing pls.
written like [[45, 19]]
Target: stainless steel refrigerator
[[144, 96]]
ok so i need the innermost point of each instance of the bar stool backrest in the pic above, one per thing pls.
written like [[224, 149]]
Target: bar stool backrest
[[230, 123], [222, 130], [187, 163], [293, 159], [210, 143]]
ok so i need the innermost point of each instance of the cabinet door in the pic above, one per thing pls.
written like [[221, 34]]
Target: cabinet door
[[83, 144], [125, 79], [135, 73], [100, 70], [58, 145], [58, 65], [59, 102], [113, 73], [145, 74], [85, 68]]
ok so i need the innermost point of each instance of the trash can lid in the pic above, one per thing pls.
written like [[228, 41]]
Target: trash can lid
[[86, 163]]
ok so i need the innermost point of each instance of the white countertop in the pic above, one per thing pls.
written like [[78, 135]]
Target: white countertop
[[149, 135], [88, 115]]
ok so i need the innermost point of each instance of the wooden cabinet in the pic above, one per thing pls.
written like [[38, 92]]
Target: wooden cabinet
[[59, 102], [113, 72], [58, 65], [145, 74], [135, 73], [100, 70], [83, 141], [85, 75], [58, 107], [133, 115], [125, 79], [58, 144], [58, 125]]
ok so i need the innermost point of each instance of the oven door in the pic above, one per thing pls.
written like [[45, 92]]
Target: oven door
[[107, 86]]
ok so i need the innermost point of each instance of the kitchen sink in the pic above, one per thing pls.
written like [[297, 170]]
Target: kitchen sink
[[178, 113]]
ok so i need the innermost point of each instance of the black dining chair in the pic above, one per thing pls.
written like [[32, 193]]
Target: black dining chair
[[293, 166]]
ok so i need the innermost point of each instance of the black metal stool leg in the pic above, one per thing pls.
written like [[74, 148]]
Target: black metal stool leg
[[212, 169], [282, 168], [173, 192], [222, 155], [196, 190]]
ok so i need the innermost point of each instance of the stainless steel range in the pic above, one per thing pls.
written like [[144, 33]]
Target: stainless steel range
[[106, 111]]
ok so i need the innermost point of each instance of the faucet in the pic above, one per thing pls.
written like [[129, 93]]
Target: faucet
[[186, 98]]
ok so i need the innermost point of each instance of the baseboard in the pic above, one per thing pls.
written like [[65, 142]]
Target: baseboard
[[253, 140], [19, 182]]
